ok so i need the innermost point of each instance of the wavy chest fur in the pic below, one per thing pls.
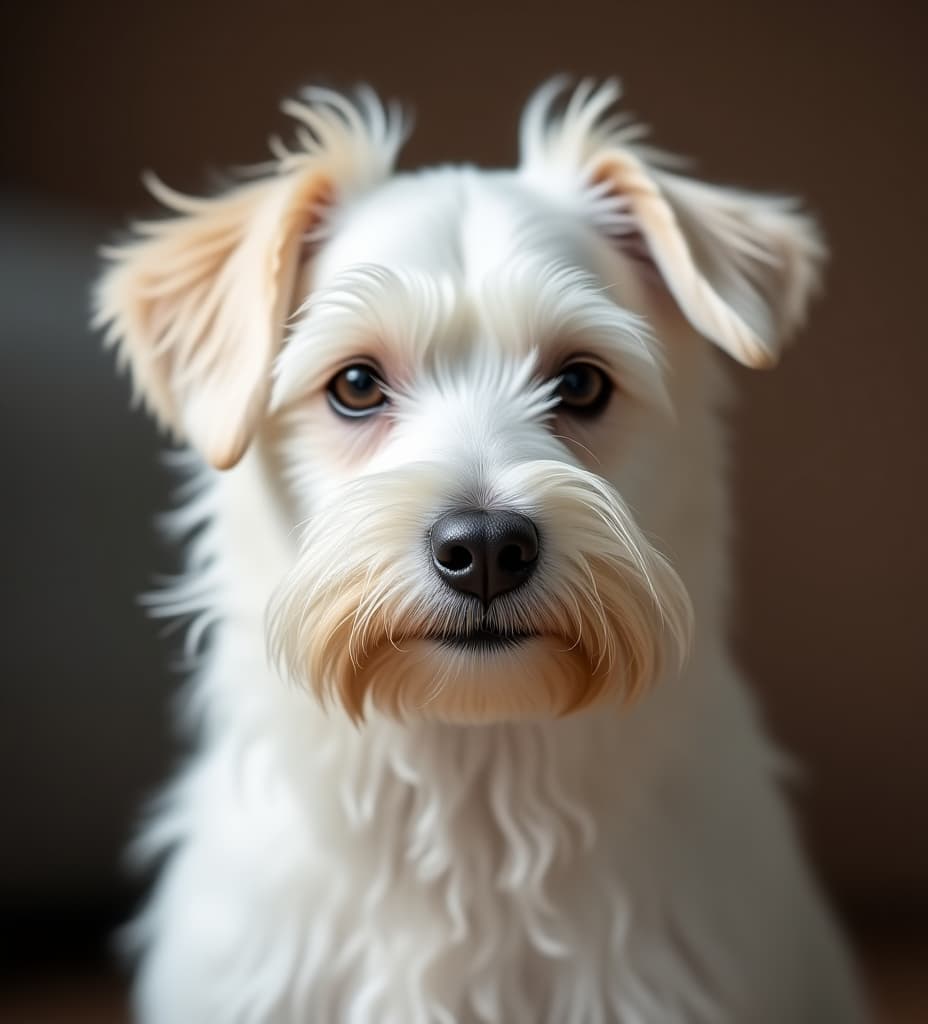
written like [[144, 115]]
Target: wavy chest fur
[[416, 873], [406, 874]]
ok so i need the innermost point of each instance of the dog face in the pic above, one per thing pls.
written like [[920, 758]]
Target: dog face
[[474, 388]]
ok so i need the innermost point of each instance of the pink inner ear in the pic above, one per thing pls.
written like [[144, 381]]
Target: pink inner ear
[[635, 247], [316, 221], [629, 239]]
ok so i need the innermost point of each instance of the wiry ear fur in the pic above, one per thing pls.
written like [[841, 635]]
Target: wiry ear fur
[[740, 266], [197, 303]]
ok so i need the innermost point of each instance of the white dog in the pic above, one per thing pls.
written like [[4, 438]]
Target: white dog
[[474, 507]]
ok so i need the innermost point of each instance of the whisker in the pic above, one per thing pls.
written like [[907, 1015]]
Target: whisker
[[579, 444]]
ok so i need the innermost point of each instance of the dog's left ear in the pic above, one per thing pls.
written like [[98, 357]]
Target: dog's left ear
[[198, 303], [741, 267]]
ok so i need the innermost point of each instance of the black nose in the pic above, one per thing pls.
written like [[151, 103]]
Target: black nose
[[484, 553]]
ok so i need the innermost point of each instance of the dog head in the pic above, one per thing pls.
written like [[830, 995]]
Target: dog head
[[480, 386]]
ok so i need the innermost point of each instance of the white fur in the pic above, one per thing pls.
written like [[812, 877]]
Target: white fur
[[403, 835]]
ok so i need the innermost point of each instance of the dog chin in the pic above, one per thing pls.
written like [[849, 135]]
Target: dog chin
[[480, 677]]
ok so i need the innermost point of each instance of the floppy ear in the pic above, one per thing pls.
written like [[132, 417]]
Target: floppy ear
[[198, 306], [198, 303], [741, 267]]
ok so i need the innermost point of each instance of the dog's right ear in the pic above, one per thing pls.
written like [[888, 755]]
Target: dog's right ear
[[197, 304], [740, 267]]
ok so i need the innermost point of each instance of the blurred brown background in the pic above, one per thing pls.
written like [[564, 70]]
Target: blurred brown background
[[824, 100]]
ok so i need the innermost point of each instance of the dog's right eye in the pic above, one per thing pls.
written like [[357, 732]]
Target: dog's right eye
[[356, 391]]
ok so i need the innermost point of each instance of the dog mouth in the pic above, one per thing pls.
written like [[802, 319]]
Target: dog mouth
[[483, 639]]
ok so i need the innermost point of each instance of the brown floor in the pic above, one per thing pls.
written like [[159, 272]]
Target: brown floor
[[897, 975]]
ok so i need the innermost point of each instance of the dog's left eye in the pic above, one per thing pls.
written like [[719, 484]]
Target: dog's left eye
[[583, 389], [356, 391]]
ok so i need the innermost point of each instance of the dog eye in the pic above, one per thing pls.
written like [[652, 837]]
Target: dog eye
[[584, 389], [356, 391]]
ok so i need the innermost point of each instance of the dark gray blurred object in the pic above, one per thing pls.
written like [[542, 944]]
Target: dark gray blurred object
[[83, 722]]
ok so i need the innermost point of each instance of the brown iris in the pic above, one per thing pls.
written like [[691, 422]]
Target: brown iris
[[356, 391], [584, 389]]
